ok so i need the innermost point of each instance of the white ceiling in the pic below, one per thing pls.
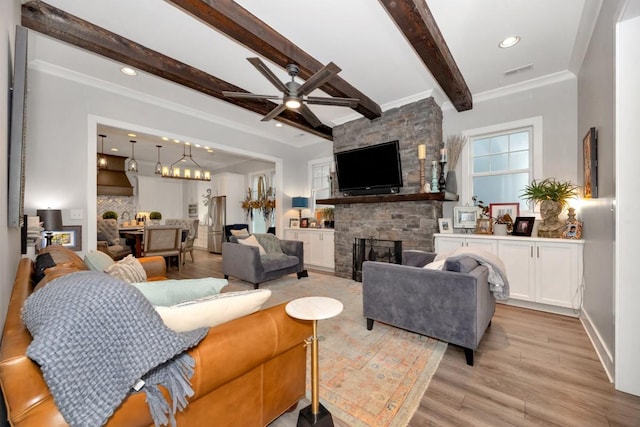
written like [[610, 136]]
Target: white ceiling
[[357, 35]]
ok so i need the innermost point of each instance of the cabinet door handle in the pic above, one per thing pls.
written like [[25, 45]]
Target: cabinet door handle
[[531, 251], [538, 252]]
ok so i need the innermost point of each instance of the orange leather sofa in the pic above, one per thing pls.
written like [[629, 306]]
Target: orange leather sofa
[[248, 371]]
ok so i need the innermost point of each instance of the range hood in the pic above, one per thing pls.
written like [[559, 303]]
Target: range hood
[[113, 180]]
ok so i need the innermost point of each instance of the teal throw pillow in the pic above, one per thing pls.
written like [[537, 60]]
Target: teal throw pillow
[[98, 260], [175, 291]]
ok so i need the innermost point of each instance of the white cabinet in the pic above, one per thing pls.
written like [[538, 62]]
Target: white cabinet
[[233, 186], [449, 244], [162, 195], [318, 246], [544, 274]]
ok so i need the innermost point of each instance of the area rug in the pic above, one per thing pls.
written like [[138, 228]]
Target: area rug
[[367, 378]]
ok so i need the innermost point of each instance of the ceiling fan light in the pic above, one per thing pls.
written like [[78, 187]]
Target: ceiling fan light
[[292, 103]]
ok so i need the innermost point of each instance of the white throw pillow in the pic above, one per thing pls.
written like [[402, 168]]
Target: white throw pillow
[[128, 270], [98, 260], [435, 265], [252, 241], [243, 232], [213, 310]]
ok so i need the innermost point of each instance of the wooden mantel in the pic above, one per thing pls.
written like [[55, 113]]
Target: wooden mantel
[[386, 198]]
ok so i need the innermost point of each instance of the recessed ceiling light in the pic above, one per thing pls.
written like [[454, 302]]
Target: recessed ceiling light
[[132, 135], [278, 125], [176, 141], [209, 150], [198, 145], [164, 138], [129, 71], [114, 149], [187, 143], [509, 42]]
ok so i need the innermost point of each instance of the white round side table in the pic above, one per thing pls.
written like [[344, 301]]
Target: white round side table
[[314, 309]]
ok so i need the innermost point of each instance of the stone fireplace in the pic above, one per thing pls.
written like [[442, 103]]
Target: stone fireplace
[[412, 220]]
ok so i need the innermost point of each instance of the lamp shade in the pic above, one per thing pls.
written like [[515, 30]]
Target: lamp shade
[[51, 218], [300, 202]]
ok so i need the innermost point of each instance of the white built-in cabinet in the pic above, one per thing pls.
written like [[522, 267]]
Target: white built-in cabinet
[[318, 246], [544, 274], [160, 194]]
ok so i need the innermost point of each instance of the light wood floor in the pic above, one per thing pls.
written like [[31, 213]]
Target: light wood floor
[[532, 368]]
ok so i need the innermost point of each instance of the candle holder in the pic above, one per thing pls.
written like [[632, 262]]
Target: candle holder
[[422, 177], [434, 177], [441, 181]]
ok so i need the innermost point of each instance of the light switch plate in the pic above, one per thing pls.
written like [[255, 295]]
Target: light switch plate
[[76, 214]]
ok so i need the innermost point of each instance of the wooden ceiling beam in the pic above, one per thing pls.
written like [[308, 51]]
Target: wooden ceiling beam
[[239, 24], [416, 22], [56, 23]]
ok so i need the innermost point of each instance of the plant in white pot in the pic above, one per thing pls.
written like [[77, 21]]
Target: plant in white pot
[[155, 217], [553, 196]]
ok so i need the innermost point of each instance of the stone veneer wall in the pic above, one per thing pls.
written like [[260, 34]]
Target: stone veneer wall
[[412, 222]]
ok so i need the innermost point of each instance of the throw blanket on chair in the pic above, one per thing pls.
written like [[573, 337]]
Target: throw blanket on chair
[[95, 337], [498, 282]]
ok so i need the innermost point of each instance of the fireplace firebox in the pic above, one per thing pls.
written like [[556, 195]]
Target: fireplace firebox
[[374, 250]]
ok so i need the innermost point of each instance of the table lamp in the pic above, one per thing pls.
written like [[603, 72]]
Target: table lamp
[[300, 203], [51, 221]]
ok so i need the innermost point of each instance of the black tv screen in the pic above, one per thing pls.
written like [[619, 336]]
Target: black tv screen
[[375, 169]]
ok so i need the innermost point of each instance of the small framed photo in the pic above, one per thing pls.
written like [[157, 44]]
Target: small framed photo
[[523, 226], [304, 223], [499, 210], [445, 225], [465, 216], [70, 236], [313, 223], [483, 226], [294, 223], [573, 230]]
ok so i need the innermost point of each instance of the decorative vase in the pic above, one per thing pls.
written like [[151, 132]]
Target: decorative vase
[[500, 229], [452, 185]]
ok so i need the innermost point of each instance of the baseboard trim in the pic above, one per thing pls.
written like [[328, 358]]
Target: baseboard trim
[[605, 356], [541, 307]]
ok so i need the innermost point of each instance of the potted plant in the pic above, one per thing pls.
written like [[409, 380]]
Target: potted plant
[[328, 215], [155, 217], [553, 196], [110, 215]]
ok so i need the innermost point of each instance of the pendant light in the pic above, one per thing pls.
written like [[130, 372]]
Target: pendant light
[[102, 160], [133, 164], [158, 170]]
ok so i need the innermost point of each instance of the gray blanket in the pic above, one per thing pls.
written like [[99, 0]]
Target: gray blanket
[[95, 337]]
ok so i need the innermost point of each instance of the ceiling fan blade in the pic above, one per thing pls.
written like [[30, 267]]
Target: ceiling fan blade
[[341, 102], [248, 95], [273, 113], [318, 79], [262, 67], [308, 114]]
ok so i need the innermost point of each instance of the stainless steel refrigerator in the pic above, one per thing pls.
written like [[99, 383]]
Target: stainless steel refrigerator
[[217, 220]]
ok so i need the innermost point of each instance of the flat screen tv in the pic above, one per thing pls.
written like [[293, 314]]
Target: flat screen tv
[[375, 169]]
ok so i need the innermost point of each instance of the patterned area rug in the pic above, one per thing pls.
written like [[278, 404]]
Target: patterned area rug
[[367, 378]]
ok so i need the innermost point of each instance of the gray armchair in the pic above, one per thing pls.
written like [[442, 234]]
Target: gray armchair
[[453, 305], [245, 262], [109, 240]]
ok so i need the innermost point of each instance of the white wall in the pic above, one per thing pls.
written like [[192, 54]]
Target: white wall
[[627, 354], [596, 107], [10, 237], [554, 102], [61, 144]]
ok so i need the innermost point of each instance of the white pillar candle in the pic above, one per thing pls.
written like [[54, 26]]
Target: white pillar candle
[[422, 152]]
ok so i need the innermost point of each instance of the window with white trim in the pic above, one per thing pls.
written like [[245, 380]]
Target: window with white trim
[[320, 180], [501, 165]]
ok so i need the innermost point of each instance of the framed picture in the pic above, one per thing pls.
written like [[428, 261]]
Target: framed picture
[[499, 210], [70, 236], [523, 226], [445, 225], [590, 155], [483, 226], [304, 223], [465, 216], [294, 223], [573, 230], [313, 223]]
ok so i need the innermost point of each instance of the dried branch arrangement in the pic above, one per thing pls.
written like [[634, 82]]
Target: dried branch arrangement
[[454, 146]]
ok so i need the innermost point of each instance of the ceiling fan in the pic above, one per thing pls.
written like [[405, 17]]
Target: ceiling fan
[[295, 95]]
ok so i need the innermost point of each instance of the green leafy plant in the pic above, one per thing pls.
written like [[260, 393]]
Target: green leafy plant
[[549, 189], [155, 215], [328, 214], [110, 215]]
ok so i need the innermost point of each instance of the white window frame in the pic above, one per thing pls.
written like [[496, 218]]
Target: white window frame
[[535, 123], [311, 165]]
